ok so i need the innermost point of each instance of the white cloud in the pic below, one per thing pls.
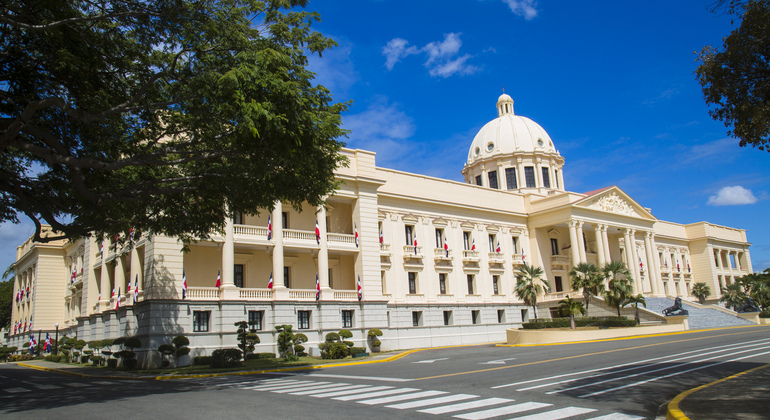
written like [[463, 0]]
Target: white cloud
[[335, 70], [524, 8], [395, 50], [441, 57], [384, 129], [723, 149], [732, 196]]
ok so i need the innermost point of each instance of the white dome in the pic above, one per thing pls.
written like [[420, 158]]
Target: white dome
[[509, 134]]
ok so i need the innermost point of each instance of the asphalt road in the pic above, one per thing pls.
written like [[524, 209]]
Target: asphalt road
[[611, 379]]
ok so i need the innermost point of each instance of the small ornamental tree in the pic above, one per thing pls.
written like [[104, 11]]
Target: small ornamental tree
[[246, 338], [571, 307], [299, 349], [701, 291], [285, 341], [127, 353], [374, 342], [636, 300], [177, 348], [6, 351], [346, 334]]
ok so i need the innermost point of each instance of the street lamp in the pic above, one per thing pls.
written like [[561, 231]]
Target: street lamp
[[56, 345], [39, 331]]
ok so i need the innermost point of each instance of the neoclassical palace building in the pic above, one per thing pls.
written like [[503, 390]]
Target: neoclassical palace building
[[436, 259]]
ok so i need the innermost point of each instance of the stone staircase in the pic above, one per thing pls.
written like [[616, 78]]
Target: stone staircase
[[700, 316]]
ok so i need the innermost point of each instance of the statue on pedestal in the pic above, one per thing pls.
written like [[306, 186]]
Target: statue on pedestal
[[677, 309]]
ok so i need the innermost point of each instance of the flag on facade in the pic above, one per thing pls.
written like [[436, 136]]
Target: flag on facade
[[382, 237], [317, 232], [317, 287], [117, 301], [688, 267], [131, 235], [100, 295], [498, 247], [360, 295], [184, 285], [473, 246], [641, 266], [523, 257], [32, 342], [72, 277], [112, 296], [446, 247], [136, 287], [677, 267], [665, 262], [270, 281], [355, 230], [27, 291], [129, 286], [101, 249], [269, 228], [219, 279], [47, 342], [415, 244]]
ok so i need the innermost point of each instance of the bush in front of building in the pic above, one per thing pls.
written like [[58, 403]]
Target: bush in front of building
[[266, 355], [202, 360], [56, 358], [611, 321], [333, 350], [97, 360], [764, 314], [357, 350], [5, 352], [112, 363], [127, 354], [224, 358], [374, 342]]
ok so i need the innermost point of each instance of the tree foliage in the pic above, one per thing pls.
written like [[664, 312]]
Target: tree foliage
[[571, 307], [162, 116], [6, 303], [247, 339], [588, 278], [757, 286], [529, 284], [736, 79], [635, 300], [701, 291]]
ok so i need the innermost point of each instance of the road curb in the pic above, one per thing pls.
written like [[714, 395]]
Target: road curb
[[673, 412]]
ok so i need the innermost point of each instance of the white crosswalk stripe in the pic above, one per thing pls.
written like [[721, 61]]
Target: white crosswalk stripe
[[502, 411], [432, 401], [387, 400], [461, 406], [561, 413], [16, 390]]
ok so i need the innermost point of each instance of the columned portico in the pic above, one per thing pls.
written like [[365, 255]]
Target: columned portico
[[573, 241], [580, 242], [279, 283], [600, 254], [323, 250], [652, 269]]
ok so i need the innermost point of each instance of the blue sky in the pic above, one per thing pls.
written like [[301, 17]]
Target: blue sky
[[611, 82]]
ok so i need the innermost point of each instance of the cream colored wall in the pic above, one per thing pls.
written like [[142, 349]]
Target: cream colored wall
[[201, 265], [257, 266], [302, 269]]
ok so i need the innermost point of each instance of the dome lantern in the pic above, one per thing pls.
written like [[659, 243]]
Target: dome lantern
[[504, 105]]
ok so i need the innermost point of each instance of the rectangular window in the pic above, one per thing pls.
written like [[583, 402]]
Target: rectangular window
[[331, 279], [515, 244], [556, 178], [525, 315], [492, 179], [409, 234], [201, 321], [478, 180], [347, 319], [559, 287], [412, 283], [529, 176], [255, 320], [286, 277], [442, 283], [466, 241], [284, 220], [510, 178], [476, 317], [238, 275], [546, 178], [501, 316], [491, 243], [416, 318], [238, 218], [303, 320], [496, 284], [439, 238], [554, 246], [470, 284], [447, 317]]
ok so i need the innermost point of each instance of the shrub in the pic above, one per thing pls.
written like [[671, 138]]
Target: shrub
[[374, 332], [357, 350], [84, 359], [332, 337], [349, 343], [112, 363], [266, 355], [299, 350], [333, 350], [612, 321], [764, 314], [53, 358], [222, 358], [164, 364], [252, 356], [97, 360], [376, 343], [202, 360]]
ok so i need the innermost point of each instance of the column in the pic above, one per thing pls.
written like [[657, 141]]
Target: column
[[136, 272], [629, 253], [277, 219], [522, 183], [637, 269], [652, 269], [718, 257], [564, 188], [607, 255], [228, 289], [120, 279], [599, 245], [581, 242], [573, 242], [104, 285], [323, 251], [538, 174]]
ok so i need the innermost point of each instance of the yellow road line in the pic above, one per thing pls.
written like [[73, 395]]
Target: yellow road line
[[674, 413]]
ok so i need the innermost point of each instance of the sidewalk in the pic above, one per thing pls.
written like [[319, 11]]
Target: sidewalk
[[744, 396]]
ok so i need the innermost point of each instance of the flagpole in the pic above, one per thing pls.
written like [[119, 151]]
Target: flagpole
[[39, 331]]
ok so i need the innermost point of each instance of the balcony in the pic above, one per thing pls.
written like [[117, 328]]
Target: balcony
[[385, 250], [440, 254], [560, 261], [496, 258], [517, 259], [470, 257], [411, 251], [341, 241]]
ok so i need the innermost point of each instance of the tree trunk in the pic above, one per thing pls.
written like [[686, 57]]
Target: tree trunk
[[702, 299], [572, 321], [636, 315], [534, 308]]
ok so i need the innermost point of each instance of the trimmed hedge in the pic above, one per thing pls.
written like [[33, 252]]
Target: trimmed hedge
[[266, 355], [202, 360], [611, 321], [333, 350], [53, 358], [357, 350], [223, 358], [764, 314]]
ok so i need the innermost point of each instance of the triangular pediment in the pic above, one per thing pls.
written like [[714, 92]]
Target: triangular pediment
[[614, 200], [440, 222]]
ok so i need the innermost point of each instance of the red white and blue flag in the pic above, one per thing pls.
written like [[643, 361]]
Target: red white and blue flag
[[219, 279], [360, 295], [415, 244], [523, 257], [32, 342], [136, 287], [27, 291], [269, 228], [677, 267], [688, 267], [317, 232], [382, 237], [270, 281], [131, 235], [641, 266], [48, 342], [446, 247], [355, 229], [72, 277], [184, 285], [498, 247], [317, 287], [101, 249], [473, 246], [117, 301], [112, 296]]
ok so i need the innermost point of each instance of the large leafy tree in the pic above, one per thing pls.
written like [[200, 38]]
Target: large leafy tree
[[160, 115], [619, 286], [529, 284], [588, 278], [736, 79]]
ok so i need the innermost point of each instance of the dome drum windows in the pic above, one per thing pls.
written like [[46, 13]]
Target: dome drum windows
[[546, 177]]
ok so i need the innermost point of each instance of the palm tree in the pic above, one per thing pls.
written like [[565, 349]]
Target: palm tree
[[701, 291], [636, 300], [571, 307], [618, 288], [587, 277], [733, 296], [529, 284]]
